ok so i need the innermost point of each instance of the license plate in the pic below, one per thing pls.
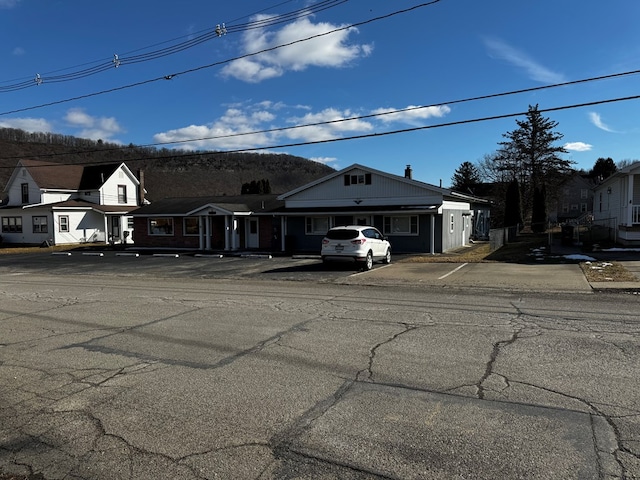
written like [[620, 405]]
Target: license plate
[[339, 248]]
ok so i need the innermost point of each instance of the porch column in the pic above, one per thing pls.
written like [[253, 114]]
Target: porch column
[[432, 239], [106, 229], [227, 228], [201, 232], [207, 232], [283, 233], [234, 231], [629, 205]]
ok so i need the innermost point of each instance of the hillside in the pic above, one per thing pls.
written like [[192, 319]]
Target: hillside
[[167, 173]]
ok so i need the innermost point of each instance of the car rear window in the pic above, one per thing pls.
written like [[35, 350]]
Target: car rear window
[[342, 234]]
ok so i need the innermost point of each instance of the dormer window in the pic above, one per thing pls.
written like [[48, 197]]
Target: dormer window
[[357, 179], [25, 193]]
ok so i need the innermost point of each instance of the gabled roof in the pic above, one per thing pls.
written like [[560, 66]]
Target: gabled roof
[[59, 176], [185, 206], [620, 173], [53, 175], [409, 181]]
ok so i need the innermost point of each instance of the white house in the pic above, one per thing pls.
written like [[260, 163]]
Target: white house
[[616, 205], [69, 204]]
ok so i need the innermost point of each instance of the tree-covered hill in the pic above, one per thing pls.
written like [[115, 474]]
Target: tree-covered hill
[[167, 173]]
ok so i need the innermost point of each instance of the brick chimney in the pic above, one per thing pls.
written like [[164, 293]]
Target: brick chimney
[[408, 172], [141, 187]]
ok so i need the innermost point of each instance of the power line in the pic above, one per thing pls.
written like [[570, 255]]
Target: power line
[[126, 59], [363, 136], [362, 117], [222, 62]]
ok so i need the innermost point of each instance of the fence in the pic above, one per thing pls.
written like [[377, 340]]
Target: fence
[[498, 237]]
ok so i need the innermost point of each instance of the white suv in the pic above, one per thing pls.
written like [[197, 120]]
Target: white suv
[[362, 244]]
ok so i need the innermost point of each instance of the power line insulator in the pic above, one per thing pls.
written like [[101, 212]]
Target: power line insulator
[[116, 60], [38, 79], [221, 30]]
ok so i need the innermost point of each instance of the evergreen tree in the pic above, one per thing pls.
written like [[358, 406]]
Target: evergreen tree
[[530, 154], [512, 210], [466, 178], [602, 169], [539, 213]]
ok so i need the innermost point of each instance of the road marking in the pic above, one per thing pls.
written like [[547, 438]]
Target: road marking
[[452, 271]]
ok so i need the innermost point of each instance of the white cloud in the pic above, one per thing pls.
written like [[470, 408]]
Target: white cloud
[[225, 133], [330, 50], [330, 161], [578, 146], [27, 124], [335, 128], [597, 121], [93, 128], [411, 114], [534, 70], [18, 51]]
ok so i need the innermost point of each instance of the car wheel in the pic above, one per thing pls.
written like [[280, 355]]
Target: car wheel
[[387, 256], [368, 261]]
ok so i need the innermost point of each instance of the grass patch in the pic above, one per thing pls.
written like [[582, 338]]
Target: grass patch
[[9, 250], [606, 272]]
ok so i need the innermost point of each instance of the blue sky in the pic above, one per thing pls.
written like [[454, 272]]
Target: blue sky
[[436, 55]]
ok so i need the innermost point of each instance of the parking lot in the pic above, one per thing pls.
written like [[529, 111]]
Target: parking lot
[[562, 277]]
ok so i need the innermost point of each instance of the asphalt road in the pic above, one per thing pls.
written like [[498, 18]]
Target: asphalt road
[[166, 370]]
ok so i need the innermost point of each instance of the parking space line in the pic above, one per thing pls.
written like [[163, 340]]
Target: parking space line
[[452, 271]]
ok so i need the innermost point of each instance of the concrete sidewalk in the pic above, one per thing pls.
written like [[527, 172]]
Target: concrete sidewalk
[[559, 278]]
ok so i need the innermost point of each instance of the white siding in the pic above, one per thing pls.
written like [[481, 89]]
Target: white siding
[[84, 226], [109, 190], [14, 190], [53, 197], [381, 191]]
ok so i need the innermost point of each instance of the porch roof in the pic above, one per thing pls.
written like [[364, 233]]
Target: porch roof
[[185, 206]]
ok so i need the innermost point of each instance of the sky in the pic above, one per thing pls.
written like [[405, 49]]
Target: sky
[[380, 83]]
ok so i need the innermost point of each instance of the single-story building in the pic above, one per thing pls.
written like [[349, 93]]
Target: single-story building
[[417, 217], [224, 223]]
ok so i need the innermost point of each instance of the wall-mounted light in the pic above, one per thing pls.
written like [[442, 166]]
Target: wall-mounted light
[[609, 190]]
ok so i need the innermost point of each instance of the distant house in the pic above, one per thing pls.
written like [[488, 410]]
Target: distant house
[[69, 204], [417, 217], [575, 200], [617, 205]]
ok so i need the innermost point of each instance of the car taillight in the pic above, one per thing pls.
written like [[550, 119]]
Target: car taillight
[[359, 241], [325, 241]]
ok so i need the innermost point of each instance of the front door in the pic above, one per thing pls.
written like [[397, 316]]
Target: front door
[[114, 233], [252, 234]]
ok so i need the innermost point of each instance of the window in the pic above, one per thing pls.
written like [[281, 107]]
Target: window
[[583, 207], [405, 225], [63, 223], [574, 206], [451, 223], [25, 193], [191, 226], [565, 208], [316, 225], [584, 193], [359, 179], [40, 225], [161, 226], [122, 194], [11, 224], [129, 223]]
